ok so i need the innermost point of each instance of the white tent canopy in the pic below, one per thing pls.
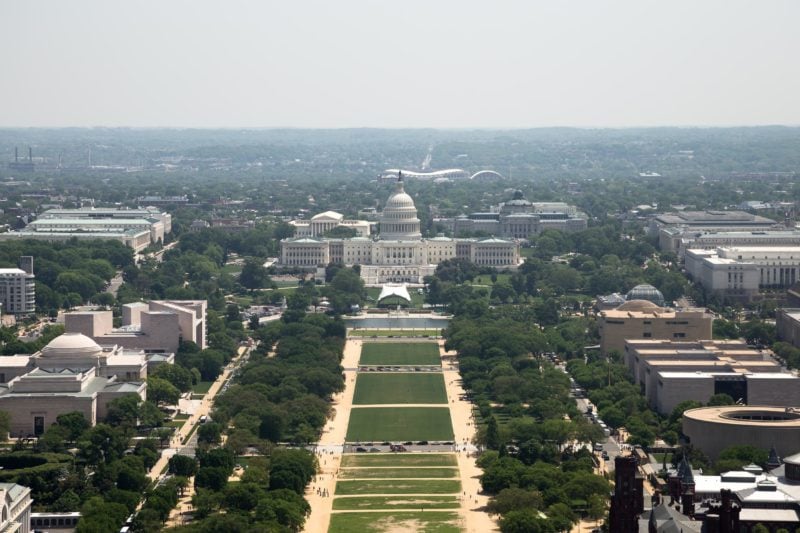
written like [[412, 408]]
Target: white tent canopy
[[394, 289]]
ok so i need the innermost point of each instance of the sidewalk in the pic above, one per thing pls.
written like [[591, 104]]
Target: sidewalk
[[176, 442], [476, 519], [331, 446]]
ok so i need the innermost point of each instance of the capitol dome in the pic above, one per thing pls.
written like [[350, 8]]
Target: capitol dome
[[400, 200], [399, 220], [70, 345], [646, 292]]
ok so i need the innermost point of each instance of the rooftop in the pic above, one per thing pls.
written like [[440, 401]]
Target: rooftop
[[124, 386], [768, 515], [704, 217], [14, 361], [95, 221], [761, 234], [15, 271], [746, 415], [758, 249]]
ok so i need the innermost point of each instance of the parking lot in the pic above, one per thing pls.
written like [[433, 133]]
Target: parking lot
[[399, 447], [423, 368]]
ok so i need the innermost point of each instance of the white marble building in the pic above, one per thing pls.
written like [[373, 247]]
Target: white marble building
[[324, 222], [399, 254], [744, 270]]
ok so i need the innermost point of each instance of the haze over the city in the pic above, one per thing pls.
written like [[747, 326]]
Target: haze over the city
[[449, 64]]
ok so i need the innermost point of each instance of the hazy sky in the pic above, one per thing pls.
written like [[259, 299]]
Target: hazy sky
[[402, 63]]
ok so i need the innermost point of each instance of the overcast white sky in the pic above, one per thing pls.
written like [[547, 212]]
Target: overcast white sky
[[403, 63]]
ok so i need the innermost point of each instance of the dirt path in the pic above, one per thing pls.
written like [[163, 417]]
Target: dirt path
[[472, 503], [182, 511], [330, 446], [583, 526], [362, 405]]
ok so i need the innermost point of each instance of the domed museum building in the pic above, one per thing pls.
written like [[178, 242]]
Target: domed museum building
[[71, 373]]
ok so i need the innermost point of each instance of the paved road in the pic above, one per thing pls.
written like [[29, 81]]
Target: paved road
[[114, 284], [158, 256], [176, 443], [610, 445]]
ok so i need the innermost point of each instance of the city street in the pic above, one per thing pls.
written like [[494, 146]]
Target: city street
[[179, 442]]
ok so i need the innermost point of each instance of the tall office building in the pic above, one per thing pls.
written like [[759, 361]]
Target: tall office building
[[18, 289]]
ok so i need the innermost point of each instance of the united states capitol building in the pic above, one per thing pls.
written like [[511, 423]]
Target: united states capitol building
[[399, 253]]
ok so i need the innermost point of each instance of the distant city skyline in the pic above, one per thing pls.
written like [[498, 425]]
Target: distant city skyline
[[444, 64]]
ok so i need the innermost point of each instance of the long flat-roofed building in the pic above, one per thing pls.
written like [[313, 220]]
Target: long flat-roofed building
[[136, 228], [112, 213], [741, 271], [710, 220], [678, 239], [669, 372], [74, 225], [642, 319], [135, 239]]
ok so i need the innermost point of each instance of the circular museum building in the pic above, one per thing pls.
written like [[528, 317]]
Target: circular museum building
[[712, 429]]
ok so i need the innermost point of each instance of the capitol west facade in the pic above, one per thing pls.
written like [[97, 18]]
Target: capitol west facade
[[399, 254]]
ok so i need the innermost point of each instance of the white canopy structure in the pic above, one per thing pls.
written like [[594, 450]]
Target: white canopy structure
[[397, 290]]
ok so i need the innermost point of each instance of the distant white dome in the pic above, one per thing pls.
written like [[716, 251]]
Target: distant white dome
[[72, 345]]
